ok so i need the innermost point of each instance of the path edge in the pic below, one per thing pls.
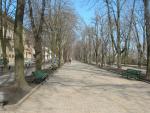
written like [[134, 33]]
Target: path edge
[[15, 106]]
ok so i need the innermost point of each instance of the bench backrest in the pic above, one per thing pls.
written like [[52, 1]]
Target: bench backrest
[[132, 71], [39, 74]]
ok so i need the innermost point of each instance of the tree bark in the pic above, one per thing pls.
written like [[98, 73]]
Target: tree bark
[[147, 24], [1, 24], [18, 45], [38, 52], [37, 34], [102, 59], [114, 47], [4, 43], [127, 42], [118, 35], [3, 38], [139, 58], [138, 45]]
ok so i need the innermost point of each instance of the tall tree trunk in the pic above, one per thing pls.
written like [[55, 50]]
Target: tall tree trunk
[[96, 57], [102, 60], [37, 30], [53, 45], [90, 49], [113, 57], [139, 47], [1, 24], [59, 55], [38, 52], [139, 58], [126, 54], [3, 37], [4, 42], [147, 24], [18, 45], [118, 36], [114, 47], [127, 42]]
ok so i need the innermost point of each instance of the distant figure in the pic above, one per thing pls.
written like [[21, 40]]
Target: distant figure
[[70, 60], [9, 67]]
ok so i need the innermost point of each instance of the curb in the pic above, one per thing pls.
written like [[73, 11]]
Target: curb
[[15, 106]]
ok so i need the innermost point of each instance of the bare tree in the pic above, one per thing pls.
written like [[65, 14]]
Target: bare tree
[[147, 24], [1, 24], [96, 40], [117, 44], [18, 45], [128, 37], [3, 37], [140, 49], [60, 24], [104, 41], [37, 30], [110, 24]]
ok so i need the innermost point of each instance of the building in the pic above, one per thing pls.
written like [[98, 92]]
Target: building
[[28, 48], [47, 54]]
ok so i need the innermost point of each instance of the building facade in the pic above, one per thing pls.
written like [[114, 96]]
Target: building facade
[[28, 46], [47, 54]]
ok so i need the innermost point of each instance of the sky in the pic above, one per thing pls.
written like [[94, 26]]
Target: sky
[[87, 9], [83, 8]]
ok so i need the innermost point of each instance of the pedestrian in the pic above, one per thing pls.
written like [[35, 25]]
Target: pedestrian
[[70, 60], [9, 67]]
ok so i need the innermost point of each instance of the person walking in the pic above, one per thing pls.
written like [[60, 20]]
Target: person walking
[[70, 60]]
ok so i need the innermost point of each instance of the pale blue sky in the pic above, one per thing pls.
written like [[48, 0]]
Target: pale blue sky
[[84, 9]]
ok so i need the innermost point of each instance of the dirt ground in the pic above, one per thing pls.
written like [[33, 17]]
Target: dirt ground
[[81, 88]]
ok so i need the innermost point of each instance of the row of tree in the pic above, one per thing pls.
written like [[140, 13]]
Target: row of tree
[[119, 34], [52, 24]]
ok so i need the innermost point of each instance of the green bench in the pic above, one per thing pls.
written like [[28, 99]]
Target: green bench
[[131, 73], [39, 76]]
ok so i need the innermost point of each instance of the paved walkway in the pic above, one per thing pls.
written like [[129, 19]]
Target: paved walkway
[[80, 88]]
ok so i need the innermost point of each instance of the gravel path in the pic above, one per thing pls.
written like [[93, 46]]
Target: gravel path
[[81, 88]]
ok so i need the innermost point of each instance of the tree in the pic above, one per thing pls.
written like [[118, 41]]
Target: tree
[[117, 44], [96, 41], [60, 25], [147, 24], [140, 49], [18, 45], [110, 24], [128, 37], [3, 36], [37, 31], [118, 35], [1, 24], [104, 41]]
